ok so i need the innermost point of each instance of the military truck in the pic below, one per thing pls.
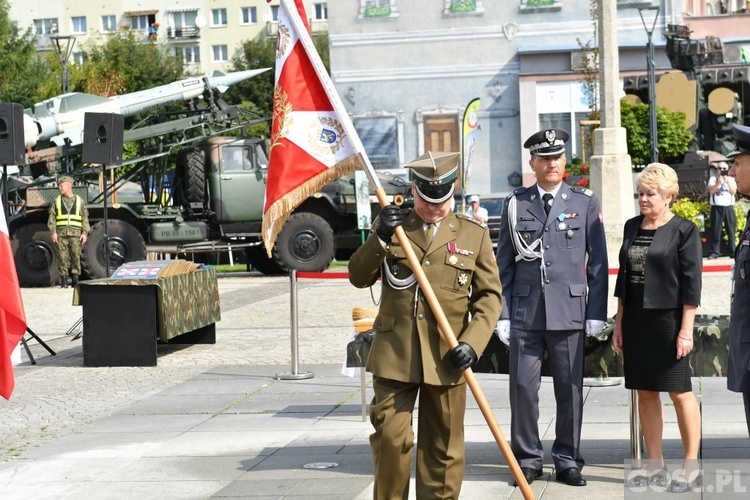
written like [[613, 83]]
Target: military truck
[[711, 86], [190, 188]]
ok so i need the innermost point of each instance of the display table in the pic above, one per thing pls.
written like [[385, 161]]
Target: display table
[[124, 318]]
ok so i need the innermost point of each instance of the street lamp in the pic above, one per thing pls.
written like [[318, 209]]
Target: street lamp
[[63, 45], [651, 11]]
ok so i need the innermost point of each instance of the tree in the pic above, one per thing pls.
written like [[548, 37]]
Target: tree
[[23, 72], [123, 64], [261, 53], [674, 137]]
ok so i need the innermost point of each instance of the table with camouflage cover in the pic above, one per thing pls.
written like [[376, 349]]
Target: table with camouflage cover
[[125, 317]]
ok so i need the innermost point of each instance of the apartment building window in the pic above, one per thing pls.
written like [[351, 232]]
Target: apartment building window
[[373, 9], [534, 5], [220, 53], [109, 24], [321, 11], [78, 25], [181, 24], [190, 54], [78, 57], [219, 18], [248, 15], [458, 7], [139, 22], [45, 26], [275, 13]]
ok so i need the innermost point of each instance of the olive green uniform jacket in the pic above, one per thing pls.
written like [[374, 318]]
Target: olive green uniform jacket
[[460, 265]]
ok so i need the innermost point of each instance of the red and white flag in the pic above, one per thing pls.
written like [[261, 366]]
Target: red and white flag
[[312, 139], [12, 315]]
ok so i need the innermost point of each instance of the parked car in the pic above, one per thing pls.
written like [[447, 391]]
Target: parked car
[[493, 202]]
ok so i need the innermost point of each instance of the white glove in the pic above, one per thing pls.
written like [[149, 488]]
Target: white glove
[[594, 326], [503, 331]]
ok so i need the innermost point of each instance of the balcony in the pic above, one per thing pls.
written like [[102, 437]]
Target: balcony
[[184, 33]]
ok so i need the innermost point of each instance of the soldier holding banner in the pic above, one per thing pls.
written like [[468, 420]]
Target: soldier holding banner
[[409, 357]]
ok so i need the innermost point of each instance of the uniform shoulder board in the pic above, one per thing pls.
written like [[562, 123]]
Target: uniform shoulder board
[[467, 218], [520, 190], [582, 190]]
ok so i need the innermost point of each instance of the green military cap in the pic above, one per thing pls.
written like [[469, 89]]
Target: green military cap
[[64, 178], [434, 175]]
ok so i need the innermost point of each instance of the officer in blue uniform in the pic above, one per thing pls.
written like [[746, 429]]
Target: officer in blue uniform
[[738, 373], [552, 258]]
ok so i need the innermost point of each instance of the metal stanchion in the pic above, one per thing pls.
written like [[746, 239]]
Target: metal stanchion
[[636, 436], [294, 374]]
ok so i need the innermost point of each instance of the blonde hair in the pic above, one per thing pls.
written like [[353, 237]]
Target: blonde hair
[[661, 177]]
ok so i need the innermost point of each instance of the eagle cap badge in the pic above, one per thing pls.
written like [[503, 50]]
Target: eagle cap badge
[[550, 135]]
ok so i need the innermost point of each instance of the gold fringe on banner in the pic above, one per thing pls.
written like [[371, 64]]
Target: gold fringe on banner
[[279, 212]]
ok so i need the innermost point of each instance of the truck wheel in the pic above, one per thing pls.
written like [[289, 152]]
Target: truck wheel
[[305, 244], [190, 164], [35, 256], [260, 261], [125, 245]]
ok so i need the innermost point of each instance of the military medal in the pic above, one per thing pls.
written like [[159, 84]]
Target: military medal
[[453, 260], [569, 233], [561, 226], [463, 278]]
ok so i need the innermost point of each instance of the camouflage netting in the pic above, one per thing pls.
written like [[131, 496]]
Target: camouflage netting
[[708, 359]]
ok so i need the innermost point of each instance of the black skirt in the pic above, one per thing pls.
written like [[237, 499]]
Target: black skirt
[[649, 338]]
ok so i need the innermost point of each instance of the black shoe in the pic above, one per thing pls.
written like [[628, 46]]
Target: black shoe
[[571, 476], [63, 282], [75, 280], [713, 256], [530, 474]]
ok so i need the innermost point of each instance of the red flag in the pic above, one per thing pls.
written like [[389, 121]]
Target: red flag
[[312, 140], [12, 316]]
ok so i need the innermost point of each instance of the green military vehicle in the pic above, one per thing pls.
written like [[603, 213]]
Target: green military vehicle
[[214, 204], [187, 187]]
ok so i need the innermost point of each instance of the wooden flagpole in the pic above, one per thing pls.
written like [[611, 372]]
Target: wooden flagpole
[[443, 324]]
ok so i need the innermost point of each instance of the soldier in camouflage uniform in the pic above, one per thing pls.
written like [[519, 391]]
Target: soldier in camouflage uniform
[[69, 223]]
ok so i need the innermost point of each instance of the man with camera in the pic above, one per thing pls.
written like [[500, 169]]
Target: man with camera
[[721, 191]]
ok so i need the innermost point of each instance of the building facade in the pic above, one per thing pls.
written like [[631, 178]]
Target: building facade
[[206, 34], [407, 69]]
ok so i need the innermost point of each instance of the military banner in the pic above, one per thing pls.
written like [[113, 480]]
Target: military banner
[[470, 134], [310, 142], [12, 314]]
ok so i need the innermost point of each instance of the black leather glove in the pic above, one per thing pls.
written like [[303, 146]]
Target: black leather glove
[[390, 217], [463, 356]]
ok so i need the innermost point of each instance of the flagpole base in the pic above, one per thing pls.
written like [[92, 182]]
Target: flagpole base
[[294, 376]]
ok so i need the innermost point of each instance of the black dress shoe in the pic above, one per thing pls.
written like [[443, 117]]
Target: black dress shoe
[[530, 474], [571, 476]]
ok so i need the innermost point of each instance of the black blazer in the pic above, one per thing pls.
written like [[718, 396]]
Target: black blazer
[[674, 264]]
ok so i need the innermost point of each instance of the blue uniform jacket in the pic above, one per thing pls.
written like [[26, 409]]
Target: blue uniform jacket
[[575, 259]]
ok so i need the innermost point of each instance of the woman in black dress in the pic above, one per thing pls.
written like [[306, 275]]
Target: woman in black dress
[[658, 289]]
